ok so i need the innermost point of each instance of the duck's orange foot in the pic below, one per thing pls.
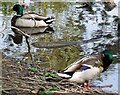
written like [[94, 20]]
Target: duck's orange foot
[[86, 87]]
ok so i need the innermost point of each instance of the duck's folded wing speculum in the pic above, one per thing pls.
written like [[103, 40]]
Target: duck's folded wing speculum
[[90, 60]]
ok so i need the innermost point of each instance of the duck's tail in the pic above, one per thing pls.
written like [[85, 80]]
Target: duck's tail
[[49, 20], [62, 75]]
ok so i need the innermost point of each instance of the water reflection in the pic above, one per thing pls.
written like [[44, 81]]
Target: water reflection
[[72, 23]]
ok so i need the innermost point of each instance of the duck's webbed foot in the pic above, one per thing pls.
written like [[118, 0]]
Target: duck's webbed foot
[[86, 86]]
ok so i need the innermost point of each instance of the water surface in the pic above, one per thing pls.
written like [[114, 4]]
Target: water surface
[[72, 24]]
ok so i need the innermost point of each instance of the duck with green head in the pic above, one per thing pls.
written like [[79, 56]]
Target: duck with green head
[[29, 19], [87, 68]]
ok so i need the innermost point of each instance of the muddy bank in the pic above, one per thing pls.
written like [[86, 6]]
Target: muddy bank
[[20, 78]]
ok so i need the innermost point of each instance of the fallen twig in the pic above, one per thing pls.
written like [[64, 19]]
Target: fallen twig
[[20, 31], [104, 86]]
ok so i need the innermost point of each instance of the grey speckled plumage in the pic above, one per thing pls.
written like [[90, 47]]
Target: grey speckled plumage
[[87, 68], [29, 19]]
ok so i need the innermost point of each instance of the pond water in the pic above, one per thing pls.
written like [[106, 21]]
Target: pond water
[[72, 23]]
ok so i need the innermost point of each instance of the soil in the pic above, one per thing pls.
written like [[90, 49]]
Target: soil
[[18, 78]]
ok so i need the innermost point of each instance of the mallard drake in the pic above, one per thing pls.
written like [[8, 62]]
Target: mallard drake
[[30, 19], [87, 68]]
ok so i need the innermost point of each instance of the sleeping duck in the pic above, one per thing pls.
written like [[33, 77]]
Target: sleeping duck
[[29, 19], [87, 68]]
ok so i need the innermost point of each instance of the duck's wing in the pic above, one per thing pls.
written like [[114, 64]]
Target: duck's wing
[[74, 66], [34, 16], [88, 60]]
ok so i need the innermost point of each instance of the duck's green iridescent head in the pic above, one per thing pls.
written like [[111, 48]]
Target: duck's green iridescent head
[[107, 58], [19, 9]]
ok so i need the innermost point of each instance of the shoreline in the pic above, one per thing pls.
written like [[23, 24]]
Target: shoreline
[[19, 79]]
